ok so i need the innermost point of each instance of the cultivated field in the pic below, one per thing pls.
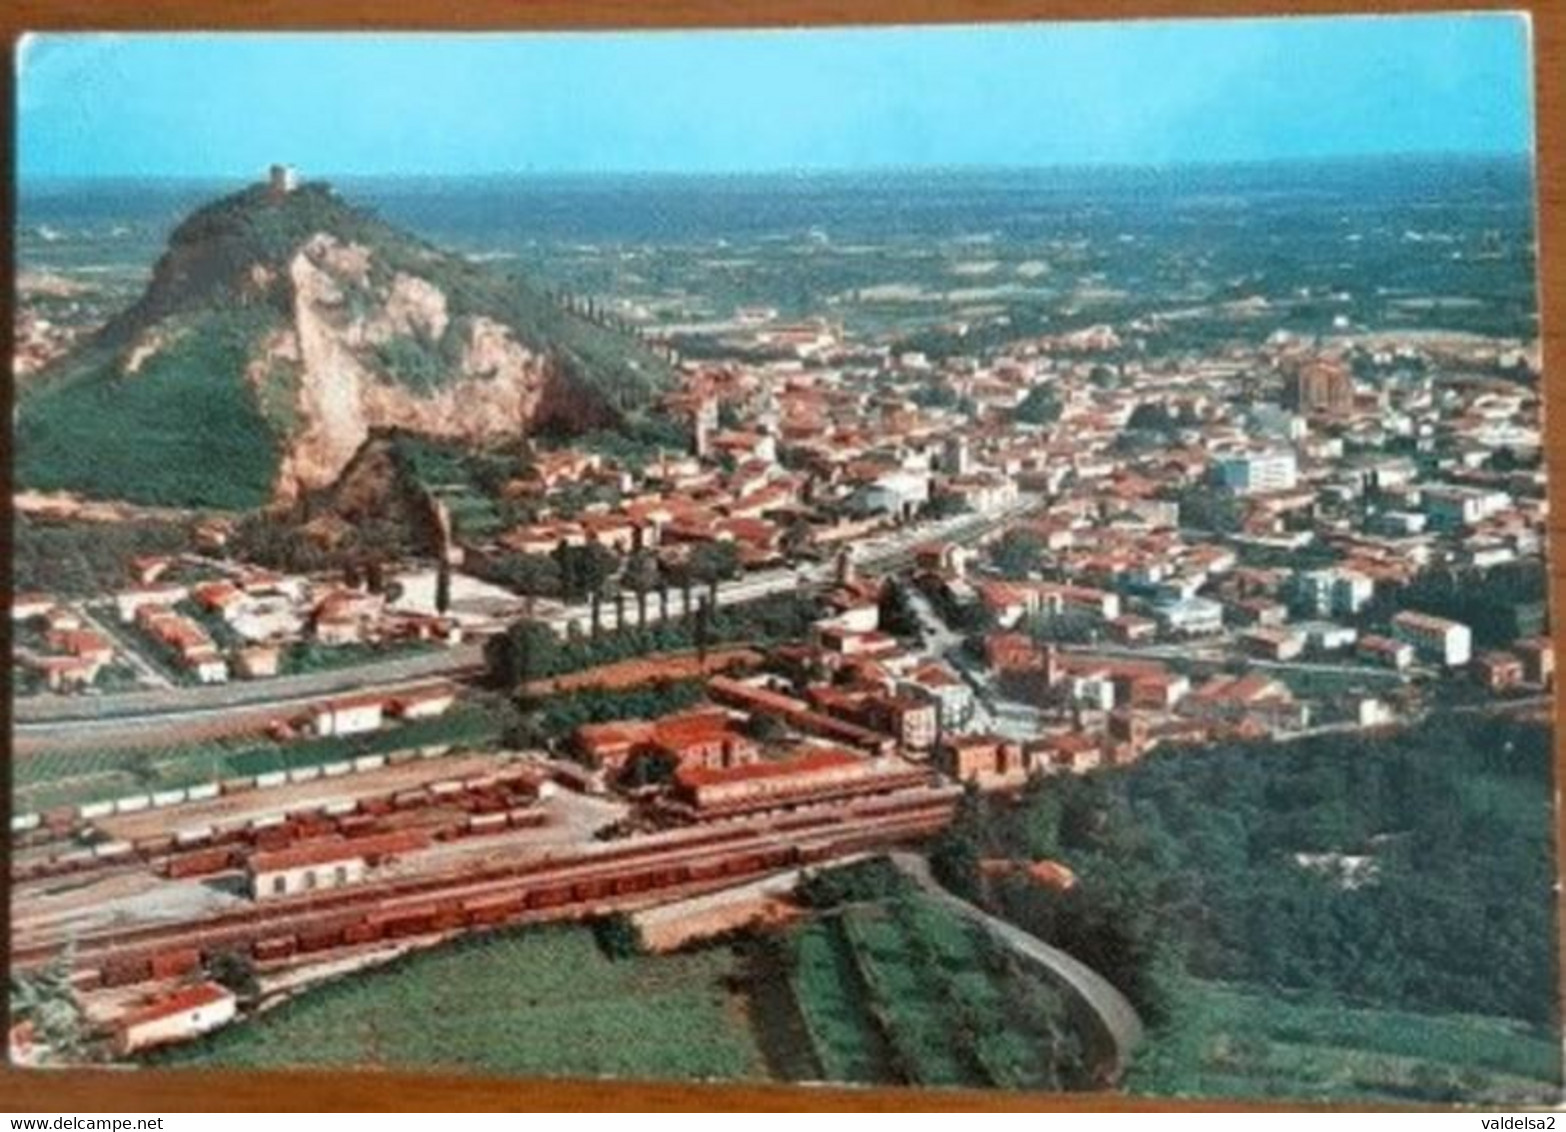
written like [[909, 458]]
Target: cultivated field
[[885, 991], [903, 991], [1231, 1041], [542, 1001]]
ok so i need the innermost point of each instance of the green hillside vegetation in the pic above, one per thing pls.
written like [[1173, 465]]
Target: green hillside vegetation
[[248, 227], [1189, 869], [80, 559], [467, 481], [186, 430], [189, 430]]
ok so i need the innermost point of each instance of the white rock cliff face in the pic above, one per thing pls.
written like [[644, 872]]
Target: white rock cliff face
[[342, 398]]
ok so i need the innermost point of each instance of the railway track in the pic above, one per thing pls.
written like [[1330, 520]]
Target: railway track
[[414, 907]]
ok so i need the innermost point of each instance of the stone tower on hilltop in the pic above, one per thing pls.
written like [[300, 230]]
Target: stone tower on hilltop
[[282, 180]]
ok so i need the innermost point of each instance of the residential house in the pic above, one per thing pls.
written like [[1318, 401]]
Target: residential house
[[1436, 639], [186, 1013]]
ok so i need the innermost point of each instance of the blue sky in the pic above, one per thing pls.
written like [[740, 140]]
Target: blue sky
[[1002, 95]]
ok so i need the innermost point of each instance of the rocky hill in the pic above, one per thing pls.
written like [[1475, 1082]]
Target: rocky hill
[[281, 330]]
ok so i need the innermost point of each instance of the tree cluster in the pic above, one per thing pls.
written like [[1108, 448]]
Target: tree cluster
[[1414, 870], [1040, 407], [86, 559]]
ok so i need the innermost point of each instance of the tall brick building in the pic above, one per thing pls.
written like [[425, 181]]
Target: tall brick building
[[1320, 385]]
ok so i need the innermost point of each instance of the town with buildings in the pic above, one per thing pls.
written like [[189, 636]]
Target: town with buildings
[[961, 646], [1042, 561]]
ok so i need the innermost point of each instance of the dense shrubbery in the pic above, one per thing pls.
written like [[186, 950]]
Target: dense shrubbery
[[1040, 406], [640, 441], [413, 362], [556, 716], [1018, 554], [1188, 862], [529, 650], [85, 559], [1205, 508], [875, 879]]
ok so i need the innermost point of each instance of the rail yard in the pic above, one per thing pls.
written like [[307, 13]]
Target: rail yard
[[486, 841]]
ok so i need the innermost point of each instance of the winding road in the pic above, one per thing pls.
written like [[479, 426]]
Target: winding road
[[1116, 1014]]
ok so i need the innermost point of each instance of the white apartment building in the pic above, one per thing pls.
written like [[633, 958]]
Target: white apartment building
[[1434, 638], [1256, 472]]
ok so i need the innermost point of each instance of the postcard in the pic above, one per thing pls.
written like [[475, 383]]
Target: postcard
[[1004, 556]]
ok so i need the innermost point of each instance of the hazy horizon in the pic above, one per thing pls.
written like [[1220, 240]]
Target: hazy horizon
[[307, 176], [1019, 95]]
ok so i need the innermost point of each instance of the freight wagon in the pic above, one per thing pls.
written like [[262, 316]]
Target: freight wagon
[[488, 913], [203, 862], [320, 939], [550, 896], [277, 947], [123, 970], [175, 964], [362, 932], [405, 922]]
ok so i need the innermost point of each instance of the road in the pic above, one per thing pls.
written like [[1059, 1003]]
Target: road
[[76, 720], [1220, 650], [127, 649], [990, 715], [55, 714], [1115, 1013]]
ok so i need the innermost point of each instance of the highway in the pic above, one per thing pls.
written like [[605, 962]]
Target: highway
[[80, 722], [39, 713]]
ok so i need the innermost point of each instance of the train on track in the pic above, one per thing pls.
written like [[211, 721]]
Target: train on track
[[433, 906]]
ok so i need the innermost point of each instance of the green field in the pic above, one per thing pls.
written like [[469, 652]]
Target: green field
[[888, 991], [540, 1001], [1226, 1040], [904, 991], [74, 778], [884, 989], [308, 656], [457, 479]]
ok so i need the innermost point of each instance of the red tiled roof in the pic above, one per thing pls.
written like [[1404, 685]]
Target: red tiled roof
[[327, 851], [935, 676], [1052, 873], [808, 763], [708, 725], [1415, 620], [186, 998]]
